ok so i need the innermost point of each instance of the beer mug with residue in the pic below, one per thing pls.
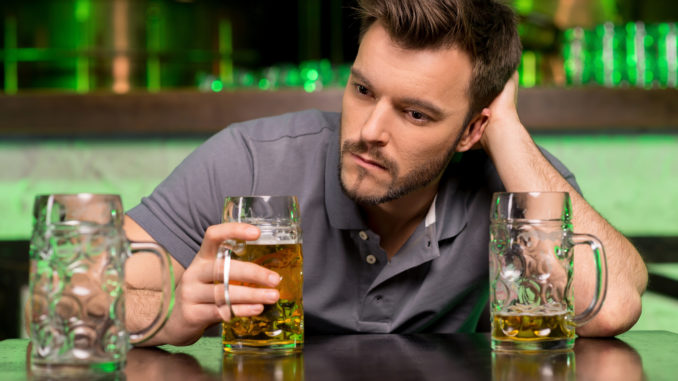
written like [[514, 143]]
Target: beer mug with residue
[[76, 306], [532, 272]]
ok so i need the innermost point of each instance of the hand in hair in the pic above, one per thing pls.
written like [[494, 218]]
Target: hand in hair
[[503, 117]]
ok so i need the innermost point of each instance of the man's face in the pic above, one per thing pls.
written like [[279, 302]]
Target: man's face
[[402, 117]]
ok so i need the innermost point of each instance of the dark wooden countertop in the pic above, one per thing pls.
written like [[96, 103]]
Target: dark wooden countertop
[[584, 109], [635, 355]]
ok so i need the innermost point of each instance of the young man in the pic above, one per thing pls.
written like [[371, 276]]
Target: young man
[[394, 192]]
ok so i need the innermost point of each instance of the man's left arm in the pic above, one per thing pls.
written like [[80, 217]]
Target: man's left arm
[[522, 167]]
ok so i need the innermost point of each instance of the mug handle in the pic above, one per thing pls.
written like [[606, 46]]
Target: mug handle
[[601, 276], [221, 275], [222, 270], [167, 291]]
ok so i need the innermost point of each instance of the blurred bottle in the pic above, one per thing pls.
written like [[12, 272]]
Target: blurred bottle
[[608, 58], [666, 54], [575, 56], [638, 63]]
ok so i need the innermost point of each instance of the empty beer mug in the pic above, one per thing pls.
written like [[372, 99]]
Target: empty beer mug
[[280, 327], [76, 304], [531, 272]]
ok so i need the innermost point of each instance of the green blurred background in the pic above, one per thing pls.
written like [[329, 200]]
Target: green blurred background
[[151, 45], [94, 47]]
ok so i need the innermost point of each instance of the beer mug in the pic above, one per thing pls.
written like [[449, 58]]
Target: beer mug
[[280, 327], [76, 303], [531, 272]]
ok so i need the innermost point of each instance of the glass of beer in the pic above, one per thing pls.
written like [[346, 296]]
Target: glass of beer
[[280, 327], [532, 272]]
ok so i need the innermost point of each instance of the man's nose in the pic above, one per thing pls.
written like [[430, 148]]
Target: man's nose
[[376, 128]]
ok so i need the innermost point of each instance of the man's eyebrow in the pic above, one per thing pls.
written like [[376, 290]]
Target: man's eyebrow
[[431, 109], [360, 77], [434, 111]]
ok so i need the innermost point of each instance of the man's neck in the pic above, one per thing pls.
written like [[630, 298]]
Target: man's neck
[[396, 220]]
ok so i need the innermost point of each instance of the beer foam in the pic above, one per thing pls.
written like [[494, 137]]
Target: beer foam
[[272, 234]]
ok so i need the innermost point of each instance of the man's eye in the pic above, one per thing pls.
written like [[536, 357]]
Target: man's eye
[[416, 115], [362, 89]]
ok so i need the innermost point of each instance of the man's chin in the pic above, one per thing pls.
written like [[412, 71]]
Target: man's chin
[[363, 187], [367, 199], [361, 196]]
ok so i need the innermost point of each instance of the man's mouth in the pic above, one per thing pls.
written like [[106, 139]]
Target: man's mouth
[[365, 162]]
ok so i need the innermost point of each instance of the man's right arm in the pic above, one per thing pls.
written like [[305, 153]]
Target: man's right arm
[[143, 281], [194, 307]]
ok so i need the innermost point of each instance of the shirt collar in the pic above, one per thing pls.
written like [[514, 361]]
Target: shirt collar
[[449, 208]]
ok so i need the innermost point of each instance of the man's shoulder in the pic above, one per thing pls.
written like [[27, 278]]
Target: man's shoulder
[[291, 125]]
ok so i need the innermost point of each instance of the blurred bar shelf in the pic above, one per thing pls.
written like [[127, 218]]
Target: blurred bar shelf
[[193, 113]]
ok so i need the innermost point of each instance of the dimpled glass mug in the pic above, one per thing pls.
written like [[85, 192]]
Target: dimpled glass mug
[[76, 303], [531, 272], [279, 329]]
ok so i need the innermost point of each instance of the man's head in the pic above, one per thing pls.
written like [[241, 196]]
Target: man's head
[[484, 29], [421, 77]]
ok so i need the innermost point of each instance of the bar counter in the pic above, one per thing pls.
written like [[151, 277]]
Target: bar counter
[[635, 355]]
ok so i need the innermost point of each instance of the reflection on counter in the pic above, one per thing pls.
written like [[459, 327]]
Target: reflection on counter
[[591, 359], [266, 367], [607, 359], [391, 356], [543, 365]]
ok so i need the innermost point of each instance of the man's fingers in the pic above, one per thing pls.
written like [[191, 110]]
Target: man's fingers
[[249, 295], [241, 310], [214, 293], [245, 310], [208, 301], [252, 273], [216, 234], [245, 301], [240, 271]]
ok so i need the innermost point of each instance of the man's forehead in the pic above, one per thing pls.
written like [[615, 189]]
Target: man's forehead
[[440, 75]]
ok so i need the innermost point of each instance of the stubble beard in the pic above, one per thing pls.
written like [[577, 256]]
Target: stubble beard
[[398, 187]]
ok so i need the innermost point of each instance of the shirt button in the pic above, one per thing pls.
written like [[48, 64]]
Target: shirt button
[[363, 235], [371, 259]]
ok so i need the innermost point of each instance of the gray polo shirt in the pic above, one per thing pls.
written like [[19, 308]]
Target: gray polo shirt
[[437, 282]]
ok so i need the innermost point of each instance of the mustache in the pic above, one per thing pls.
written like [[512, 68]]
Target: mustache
[[375, 154]]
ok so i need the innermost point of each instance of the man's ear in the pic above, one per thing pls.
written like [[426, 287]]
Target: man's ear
[[470, 138]]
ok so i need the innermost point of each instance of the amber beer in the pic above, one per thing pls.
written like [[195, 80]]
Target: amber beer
[[281, 325], [533, 326]]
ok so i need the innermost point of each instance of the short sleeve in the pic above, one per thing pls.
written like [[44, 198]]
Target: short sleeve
[[181, 208], [562, 169]]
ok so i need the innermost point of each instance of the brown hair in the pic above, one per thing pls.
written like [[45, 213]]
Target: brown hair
[[485, 29]]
